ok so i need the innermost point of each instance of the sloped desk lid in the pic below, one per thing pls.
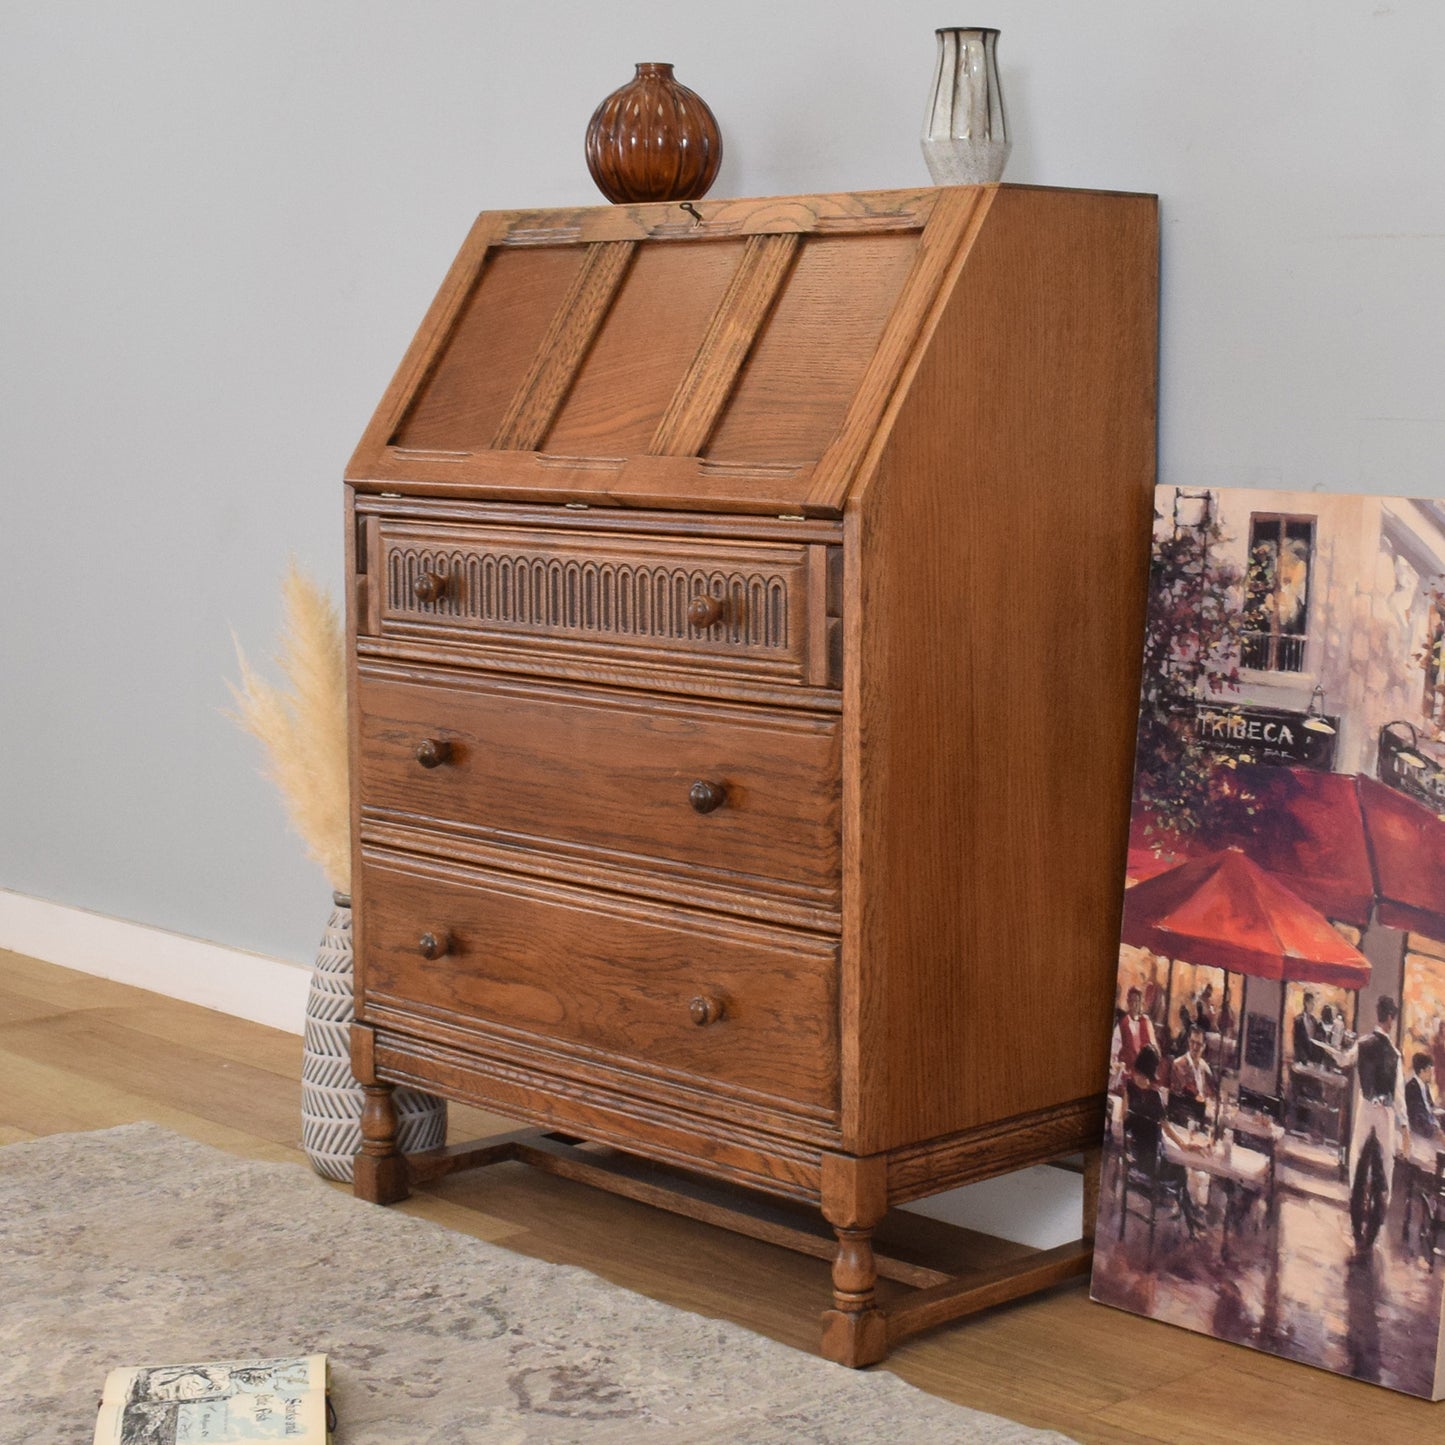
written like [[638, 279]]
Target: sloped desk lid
[[729, 355]]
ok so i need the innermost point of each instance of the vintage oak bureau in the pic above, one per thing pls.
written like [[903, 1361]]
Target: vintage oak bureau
[[746, 612]]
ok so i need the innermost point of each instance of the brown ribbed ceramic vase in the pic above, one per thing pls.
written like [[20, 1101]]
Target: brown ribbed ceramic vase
[[653, 140]]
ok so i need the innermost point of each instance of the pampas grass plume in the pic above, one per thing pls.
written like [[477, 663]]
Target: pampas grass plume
[[303, 724]]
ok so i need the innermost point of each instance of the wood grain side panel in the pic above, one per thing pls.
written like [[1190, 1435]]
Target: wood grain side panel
[[996, 580], [619, 978], [608, 773]]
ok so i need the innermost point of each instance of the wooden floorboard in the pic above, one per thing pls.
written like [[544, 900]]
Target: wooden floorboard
[[97, 1047], [78, 1052]]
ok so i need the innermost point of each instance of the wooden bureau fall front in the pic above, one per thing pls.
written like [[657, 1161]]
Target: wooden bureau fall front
[[745, 624]]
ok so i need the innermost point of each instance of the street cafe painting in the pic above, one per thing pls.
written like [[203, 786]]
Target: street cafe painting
[[1274, 1156]]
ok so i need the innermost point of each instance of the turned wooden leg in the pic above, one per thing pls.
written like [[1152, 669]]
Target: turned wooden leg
[[855, 1198], [380, 1174]]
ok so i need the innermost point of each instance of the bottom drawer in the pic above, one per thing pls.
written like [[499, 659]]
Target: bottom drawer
[[673, 992]]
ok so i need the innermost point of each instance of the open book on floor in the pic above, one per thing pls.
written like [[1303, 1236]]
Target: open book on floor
[[232, 1400]]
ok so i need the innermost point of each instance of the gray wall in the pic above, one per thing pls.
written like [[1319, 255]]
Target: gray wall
[[221, 223]]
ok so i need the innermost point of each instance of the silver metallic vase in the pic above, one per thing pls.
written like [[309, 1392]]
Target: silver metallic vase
[[331, 1099], [965, 135]]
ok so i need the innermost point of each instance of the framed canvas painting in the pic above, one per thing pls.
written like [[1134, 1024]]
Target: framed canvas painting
[[1274, 1163]]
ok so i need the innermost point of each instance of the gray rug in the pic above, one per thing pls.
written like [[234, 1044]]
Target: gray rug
[[134, 1246]]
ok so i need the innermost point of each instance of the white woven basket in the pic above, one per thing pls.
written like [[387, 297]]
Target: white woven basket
[[331, 1099]]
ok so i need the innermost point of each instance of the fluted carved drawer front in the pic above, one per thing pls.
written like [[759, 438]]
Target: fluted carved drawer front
[[712, 792], [757, 610], [666, 992]]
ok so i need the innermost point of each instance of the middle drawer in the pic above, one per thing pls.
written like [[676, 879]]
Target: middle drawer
[[739, 797]]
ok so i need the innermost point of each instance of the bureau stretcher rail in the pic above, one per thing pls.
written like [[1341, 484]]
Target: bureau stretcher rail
[[933, 1296]]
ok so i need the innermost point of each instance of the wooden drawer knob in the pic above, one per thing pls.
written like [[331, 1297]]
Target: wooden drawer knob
[[705, 1010], [434, 945], [433, 752], [705, 796], [430, 586], [703, 610]]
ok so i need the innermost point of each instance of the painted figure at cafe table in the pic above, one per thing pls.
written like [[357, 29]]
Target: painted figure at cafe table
[[1274, 1169]]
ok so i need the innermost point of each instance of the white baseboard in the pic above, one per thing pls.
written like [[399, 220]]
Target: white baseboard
[[1041, 1207], [249, 985]]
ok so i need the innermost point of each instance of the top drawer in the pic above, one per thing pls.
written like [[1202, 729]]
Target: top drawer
[[760, 611]]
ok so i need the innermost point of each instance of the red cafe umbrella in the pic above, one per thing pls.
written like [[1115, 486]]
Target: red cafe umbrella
[[1224, 911]]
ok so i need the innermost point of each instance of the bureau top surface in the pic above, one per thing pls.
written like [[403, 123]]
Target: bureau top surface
[[726, 355]]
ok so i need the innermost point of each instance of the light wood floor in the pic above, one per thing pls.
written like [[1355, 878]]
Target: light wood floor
[[78, 1052]]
